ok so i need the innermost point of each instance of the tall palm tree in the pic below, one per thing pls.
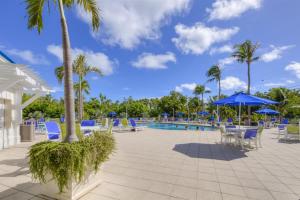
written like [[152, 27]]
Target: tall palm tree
[[245, 53], [81, 68], [35, 20], [214, 74], [200, 90], [80, 88]]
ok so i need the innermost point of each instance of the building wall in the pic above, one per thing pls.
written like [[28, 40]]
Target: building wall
[[10, 118]]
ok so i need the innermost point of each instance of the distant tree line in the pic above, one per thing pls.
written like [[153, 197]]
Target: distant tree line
[[174, 103]]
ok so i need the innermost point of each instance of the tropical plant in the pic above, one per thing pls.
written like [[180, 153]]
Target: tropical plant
[[245, 53], [35, 20], [214, 74], [80, 89], [200, 90], [81, 68], [69, 161]]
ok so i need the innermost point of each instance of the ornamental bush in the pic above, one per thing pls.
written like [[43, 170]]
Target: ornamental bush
[[69, 161]]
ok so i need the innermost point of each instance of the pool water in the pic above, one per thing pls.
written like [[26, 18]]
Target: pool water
[[170, 126]]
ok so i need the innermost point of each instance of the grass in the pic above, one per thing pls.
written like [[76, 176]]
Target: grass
[[293, 129]]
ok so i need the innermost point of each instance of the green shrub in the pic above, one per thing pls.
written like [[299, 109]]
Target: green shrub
[[63, 130], [66, 161]]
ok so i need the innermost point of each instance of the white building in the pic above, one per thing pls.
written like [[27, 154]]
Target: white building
[[15, 80]]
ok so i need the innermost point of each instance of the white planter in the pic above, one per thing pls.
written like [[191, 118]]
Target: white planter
[[74, 190]]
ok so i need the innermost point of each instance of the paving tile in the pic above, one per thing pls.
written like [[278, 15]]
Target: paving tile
[[258, 194], [184, 192], [284, 196], [232, 189], [208, 185], [229, 179], [233, 197], [208, 195]]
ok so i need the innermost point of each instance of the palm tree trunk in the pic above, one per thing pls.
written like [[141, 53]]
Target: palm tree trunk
[[248, 89], [219, 95], [68, 80], [80, 100], [202, 102]]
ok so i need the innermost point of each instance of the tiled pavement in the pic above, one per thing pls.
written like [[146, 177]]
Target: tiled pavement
[[156, 164]]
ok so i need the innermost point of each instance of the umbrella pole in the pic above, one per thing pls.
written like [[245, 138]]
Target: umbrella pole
[[240, 115]]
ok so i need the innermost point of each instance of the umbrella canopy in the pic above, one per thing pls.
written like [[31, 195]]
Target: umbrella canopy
[[241, 98], [203, 113], [112, 114], [165, 114], [244, 99], [179, 114], [267, 111]]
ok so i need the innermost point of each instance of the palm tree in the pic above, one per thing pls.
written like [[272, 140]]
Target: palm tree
[[214, 74], [245, 53], [35, 20], [80, 88], [81, 68], [200, 90]]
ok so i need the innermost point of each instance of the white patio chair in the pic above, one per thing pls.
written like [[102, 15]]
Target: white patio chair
[[250, 135]]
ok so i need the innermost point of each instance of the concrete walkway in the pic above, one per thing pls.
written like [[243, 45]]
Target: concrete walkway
[[156, 164]]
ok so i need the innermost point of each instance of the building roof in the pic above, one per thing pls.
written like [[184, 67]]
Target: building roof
[[20, 77]]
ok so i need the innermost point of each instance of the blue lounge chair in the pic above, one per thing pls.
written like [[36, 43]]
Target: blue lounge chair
[[88, 126], [285, 121], [282, 130], [229, 121], [116, 123], [135, 127], [53, 131]]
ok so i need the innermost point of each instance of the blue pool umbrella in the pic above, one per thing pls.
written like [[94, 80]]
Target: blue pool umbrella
[[267, 111], [241, 98], [244, 99], [179, 114], [165, 114], [112, 114], [203, 113]]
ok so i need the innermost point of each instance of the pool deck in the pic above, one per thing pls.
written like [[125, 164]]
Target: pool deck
[[160, 164]]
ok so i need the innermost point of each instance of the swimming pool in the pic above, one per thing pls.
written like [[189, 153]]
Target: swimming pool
[[171, 126]]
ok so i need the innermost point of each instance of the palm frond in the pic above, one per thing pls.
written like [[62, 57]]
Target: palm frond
[[34, 10], [59, 73], [91, 7]]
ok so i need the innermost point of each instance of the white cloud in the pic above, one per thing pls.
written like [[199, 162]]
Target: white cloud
[[185, 86], [275, 53], [198, 38], [128, 22], [126, 88], [57, 89], [294, 67], [279, 84], [226, 61], [94, 78], [290, 81], [28, 56], [223, 49], [154, 61], [232, 83], [96, 59], [271, 84], [227, 9]]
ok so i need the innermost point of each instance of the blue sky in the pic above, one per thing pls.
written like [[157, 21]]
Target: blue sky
[[146, 48]]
